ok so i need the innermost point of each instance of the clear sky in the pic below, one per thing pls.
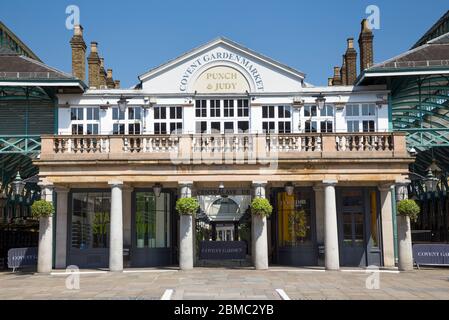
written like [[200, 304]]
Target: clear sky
[[135, 36]]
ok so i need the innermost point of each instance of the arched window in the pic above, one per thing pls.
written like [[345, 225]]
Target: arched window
[[223, 207]]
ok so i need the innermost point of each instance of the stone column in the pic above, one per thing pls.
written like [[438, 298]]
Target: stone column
[[331, 250], [62, 204], [116, 227], [259, 227], [387, 225], [319, 216], [45, 250], [405, 249], [186, 231]]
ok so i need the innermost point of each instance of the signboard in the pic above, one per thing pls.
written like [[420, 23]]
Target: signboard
[[431, 254], [22, 257], [221, 79], [222, 250]]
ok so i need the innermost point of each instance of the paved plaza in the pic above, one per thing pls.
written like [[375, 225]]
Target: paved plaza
[[229, 284]]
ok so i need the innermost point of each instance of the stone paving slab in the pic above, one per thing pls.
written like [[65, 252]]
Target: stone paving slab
[[229, 284]]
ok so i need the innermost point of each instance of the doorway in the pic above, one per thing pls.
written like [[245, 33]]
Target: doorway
[[358, 226]]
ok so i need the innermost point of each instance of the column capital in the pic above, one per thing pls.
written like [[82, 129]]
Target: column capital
[[185, 183], [61, 189], [259, 183], [403, 182], [385, 186], [330, 182], [45, 184], [116, 183]]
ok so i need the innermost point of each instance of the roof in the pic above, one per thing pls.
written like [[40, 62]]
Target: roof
[[19, 42], [438, 28], [429, 58], [215, 42]]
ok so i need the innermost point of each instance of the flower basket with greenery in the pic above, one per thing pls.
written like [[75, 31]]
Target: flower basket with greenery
[[298, 225], [408, 208], [261, 207], [187, 206], [42, 209]]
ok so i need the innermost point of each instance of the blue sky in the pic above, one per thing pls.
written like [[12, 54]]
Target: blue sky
[[135, 36]]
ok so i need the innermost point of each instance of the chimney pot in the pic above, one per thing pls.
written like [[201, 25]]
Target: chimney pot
[[329, 82], [350, 43], [94, 46], [117, 84], [78, 30], [110, 73]]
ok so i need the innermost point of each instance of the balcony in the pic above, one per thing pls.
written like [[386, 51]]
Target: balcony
[[185, 148]]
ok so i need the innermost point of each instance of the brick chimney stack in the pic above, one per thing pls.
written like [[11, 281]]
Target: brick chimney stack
[[351, 62], [102, 75], [344, 80], [78, 53], [366, 46], [336, 81], [117, 84], [109, 80], [94, 66]]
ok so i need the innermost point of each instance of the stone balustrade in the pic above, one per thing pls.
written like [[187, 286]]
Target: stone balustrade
[[292, 146]]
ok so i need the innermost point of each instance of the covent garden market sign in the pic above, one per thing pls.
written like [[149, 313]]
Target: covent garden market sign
[[222, 79]]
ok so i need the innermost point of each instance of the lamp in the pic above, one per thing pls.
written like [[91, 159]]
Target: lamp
[[289, 188], [122, 103], [18, 184], [430, 181], [157, 188], [3, 199], [320, 101]]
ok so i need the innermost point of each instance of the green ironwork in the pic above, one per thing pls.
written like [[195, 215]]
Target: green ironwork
[[26, 144], [420, 107]]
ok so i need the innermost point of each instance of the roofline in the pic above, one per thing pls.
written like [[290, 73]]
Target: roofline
[[430, 30], [20, 42], [229, 43], [394, 73], [44, 83]]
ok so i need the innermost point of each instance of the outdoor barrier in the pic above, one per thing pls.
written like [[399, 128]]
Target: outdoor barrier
[[22, 257], [431, 254]]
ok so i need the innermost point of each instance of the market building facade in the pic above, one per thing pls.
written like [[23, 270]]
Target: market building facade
[[224, 124]]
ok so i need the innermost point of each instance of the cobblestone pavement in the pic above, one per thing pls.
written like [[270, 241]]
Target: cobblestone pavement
[[229, 284]]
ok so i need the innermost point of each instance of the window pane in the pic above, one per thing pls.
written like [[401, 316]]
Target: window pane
[[271, 111], [264, 112], [243, 126], [178, 112], [373, 215], [152, 220], [172, 112], [90, 220], [229, 127], [215, 127]]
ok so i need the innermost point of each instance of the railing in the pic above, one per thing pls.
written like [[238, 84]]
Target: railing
[[20, 144], [286, 145]]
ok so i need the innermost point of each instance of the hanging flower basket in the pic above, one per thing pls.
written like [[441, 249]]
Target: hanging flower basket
[[261, 207], [42, 209], [408, 208], [187, 206]]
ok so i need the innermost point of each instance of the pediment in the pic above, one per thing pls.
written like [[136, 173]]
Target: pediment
[[222, 67]]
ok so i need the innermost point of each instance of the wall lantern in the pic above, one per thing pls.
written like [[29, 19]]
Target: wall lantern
[[320, 101], [3, 199], [122, 103], [289, 188], [430, 181], [18, 184], [157, 188]]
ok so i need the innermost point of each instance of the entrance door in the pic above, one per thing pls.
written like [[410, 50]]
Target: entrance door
[[358, 227], [152, 225]]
